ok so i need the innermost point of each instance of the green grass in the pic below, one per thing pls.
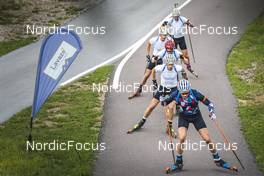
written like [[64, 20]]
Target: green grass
[[6, 47], [72, 10], [245, 70], [72, 113]]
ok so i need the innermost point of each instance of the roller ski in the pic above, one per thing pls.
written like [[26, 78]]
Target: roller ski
[[192, 71], [175, 167], [137, 93], [226, 165], [221, 163], [136, 127]]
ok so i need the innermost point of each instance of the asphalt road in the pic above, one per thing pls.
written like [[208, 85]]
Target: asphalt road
[[125, 23], [138, 154]]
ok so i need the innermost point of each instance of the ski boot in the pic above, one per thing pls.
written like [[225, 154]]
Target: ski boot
[[226, 165], [221, 163], [137, 93], [137, 126]]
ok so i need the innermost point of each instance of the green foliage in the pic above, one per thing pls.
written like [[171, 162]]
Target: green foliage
[[73, 113], [245, 70]]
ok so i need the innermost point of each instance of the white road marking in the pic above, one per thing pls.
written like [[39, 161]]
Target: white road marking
[[138, 45], [133, 48], [108, 61]]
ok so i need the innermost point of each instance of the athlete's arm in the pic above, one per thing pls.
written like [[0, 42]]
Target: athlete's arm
[[189, 23], [148, 48], [171, 98], [153, 74], [205, 101]]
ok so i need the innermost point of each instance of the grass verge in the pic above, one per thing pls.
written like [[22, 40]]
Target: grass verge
[[73, 113], [245, 70], [8, 46]]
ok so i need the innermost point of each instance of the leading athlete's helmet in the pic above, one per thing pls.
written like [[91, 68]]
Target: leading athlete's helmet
[[169, 44], [184, 86], [176, 12]]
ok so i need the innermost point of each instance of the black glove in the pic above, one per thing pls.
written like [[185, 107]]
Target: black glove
[[155, 84], [148, 58], [165, 23], [170, 125], [167, 100]]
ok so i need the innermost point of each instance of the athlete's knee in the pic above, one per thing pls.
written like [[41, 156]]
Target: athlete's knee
[[182, 138], [207, 139]]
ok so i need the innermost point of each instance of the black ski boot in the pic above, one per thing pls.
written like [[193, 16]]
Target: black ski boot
[[137, 126], [137, 93]]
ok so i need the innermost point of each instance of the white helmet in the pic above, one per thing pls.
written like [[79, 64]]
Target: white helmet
[[163, 30], [170, 59], [176, 12], [184, 85]]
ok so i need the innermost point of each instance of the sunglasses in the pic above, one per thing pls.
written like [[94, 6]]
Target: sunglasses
[[185, 93]]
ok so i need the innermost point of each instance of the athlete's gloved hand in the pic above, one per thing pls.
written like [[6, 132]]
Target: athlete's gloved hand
[[170, 125], [212, 116], [148, 58], [155, 84], [211, 108], [165, 23]]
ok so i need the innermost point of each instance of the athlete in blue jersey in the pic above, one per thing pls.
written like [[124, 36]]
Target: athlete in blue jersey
[[187, 99]]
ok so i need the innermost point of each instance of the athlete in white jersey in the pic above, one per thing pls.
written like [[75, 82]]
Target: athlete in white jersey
[[169, 49], [176, 24], [157, 43], [169, 74]]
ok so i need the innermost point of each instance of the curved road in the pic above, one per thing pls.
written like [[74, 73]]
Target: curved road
[[138, 154], [125, 23]]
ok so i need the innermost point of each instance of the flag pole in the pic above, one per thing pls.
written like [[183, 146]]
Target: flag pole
[[30, 129]]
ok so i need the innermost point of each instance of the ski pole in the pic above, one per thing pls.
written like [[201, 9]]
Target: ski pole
[[221, 131], [189, 36], [170, 136]]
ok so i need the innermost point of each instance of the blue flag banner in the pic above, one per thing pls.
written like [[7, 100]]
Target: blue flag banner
[[57, 53]]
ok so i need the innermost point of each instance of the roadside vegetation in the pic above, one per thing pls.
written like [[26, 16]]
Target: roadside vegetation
[[245, 69], [73, 113], [16, 14]]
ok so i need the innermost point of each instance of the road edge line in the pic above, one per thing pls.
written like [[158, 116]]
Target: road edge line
[[138, 44]]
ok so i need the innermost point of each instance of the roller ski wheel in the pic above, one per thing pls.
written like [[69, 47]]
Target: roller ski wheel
[[136, 127], [192, 72], [195, 74], [226, 165], [171, 169]]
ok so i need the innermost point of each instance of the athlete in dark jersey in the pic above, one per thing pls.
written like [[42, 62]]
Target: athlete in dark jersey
[[187, 100]]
